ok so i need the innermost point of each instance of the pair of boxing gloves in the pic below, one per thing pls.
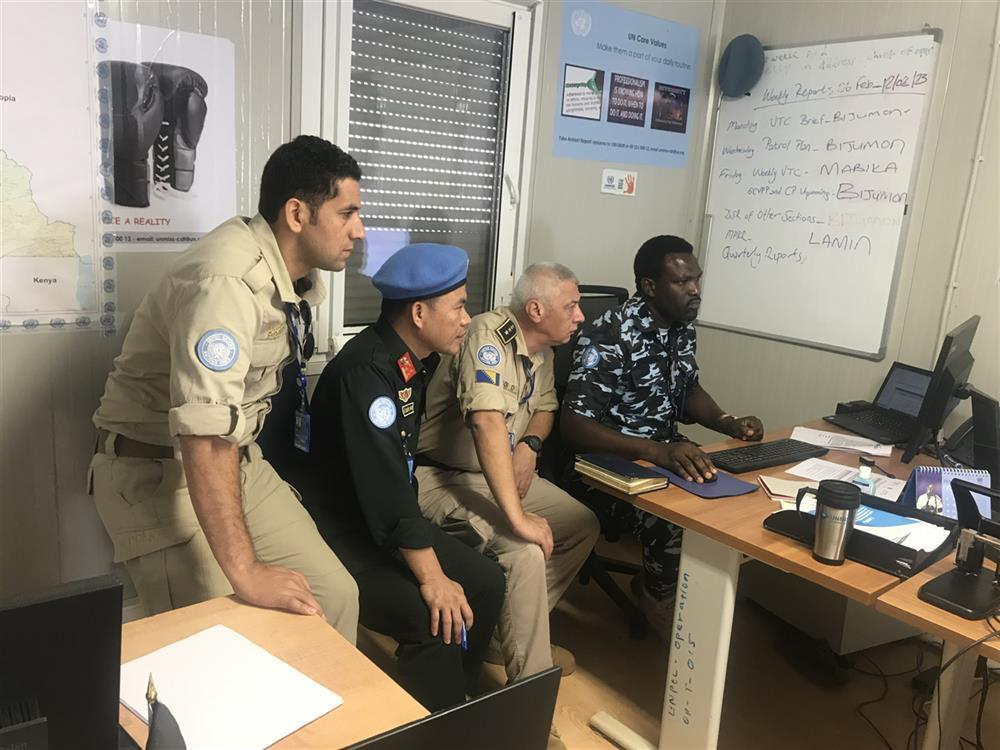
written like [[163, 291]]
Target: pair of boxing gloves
[[160, 106]]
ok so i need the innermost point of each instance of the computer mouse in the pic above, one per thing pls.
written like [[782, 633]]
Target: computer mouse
[[710, 479]]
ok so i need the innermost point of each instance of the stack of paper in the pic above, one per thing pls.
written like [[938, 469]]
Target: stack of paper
[[838, 441], [225, 691], [816, 469]]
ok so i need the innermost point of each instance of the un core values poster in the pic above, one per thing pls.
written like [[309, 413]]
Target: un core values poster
[[625, 86]]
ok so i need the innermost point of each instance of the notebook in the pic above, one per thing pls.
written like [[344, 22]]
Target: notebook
[[620, 473], [929, 489]]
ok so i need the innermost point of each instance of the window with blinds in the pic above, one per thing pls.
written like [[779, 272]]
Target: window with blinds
[[428, 103]]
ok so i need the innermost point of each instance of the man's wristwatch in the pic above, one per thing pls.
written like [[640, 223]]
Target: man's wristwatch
[[534, 442]]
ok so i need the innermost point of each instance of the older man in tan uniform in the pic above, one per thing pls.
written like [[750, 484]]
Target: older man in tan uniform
[[488, 411], [191, 507]]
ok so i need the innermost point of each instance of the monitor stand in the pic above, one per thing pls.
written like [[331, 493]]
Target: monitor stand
[[973, 596]]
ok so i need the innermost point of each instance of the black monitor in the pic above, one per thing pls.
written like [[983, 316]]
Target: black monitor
[[60, 660], [986, 437], [518, 715], [954, 363]]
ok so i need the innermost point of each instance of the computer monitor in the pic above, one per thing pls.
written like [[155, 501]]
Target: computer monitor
[[954, 363], [60, 658], [518, 715], [986, 437]]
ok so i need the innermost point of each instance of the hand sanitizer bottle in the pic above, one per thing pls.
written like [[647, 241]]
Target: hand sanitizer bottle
[[864, 478]]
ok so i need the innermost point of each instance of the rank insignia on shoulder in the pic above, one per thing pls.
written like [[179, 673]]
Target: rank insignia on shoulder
[[488, 376], [405, 365], [405, 394], [507, 331], [408, 409]]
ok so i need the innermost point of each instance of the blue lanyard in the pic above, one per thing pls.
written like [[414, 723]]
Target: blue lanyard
[[302, 348]]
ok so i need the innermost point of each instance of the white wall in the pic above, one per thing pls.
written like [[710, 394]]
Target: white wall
[[570, 220], [50, 383]]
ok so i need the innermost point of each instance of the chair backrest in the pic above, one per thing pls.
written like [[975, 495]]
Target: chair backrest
[[595, 300], [516, 716]]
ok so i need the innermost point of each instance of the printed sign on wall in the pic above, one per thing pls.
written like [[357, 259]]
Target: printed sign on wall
[[625, 82]]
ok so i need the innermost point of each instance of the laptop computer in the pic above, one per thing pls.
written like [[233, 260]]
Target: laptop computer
[[518, 715], [892, 418]]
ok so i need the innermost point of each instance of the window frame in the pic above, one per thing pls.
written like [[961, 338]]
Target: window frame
[[321, 104]]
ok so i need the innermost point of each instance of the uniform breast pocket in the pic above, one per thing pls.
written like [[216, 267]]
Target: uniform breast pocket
[[267, 356]]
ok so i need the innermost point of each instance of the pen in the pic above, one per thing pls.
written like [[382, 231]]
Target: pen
[[465, 641]]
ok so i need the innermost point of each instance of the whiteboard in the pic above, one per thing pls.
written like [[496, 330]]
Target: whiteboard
[[808, 192]]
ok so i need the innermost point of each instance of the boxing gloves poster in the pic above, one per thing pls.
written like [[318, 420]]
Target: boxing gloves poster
[[168, 134]]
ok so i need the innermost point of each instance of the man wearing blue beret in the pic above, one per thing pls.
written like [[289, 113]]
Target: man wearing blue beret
[[436, 596]]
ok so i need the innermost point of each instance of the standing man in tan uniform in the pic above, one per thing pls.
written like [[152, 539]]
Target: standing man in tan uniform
[[191, 507], [488, 411]]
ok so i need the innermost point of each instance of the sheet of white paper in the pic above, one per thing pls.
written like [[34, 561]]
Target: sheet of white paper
[[817, 470], [909, 532], [226, 692], [838, 441]]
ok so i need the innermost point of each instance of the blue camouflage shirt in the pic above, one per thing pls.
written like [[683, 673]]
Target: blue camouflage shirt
[[631, 375]]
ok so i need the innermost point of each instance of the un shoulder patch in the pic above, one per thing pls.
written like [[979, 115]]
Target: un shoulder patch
[[489, 355], [507, 331], [590, 358], [217, 349], [382, 412]]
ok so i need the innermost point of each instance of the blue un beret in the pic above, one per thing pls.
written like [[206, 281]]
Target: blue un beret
[[422, 271]]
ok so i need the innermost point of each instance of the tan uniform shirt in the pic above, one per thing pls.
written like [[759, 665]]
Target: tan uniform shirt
[[492, 372], [205, 350]]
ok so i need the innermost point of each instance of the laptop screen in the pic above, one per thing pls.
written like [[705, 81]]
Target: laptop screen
[[904, 388]]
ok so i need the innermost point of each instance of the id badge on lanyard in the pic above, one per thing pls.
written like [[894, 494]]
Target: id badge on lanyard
[[302, 350]]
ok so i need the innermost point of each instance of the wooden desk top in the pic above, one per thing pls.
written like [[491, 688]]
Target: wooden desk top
[[373, 703], [903, 604], [738, 522]]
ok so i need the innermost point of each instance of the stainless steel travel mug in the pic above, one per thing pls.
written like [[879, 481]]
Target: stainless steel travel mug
[[836, 506]]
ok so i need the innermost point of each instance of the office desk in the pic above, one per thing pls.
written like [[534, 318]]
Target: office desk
[[717, 533], [958, 633], [372, 704]]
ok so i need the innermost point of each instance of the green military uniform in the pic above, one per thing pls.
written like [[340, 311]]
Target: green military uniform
[[202, 357], [494, 372]]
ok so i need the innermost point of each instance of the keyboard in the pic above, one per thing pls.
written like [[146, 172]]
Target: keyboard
[[762, 455]]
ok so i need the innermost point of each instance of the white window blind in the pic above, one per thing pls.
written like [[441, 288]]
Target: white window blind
[[427, 112]]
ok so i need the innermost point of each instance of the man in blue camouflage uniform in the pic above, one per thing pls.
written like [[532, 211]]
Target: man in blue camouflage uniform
[[634, 377]]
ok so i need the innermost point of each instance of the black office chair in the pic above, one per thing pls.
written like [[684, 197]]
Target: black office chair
[[555, 460]]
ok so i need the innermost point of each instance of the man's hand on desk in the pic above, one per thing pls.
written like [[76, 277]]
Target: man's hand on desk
[[277, 587], [686, 459], [743, 428]]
